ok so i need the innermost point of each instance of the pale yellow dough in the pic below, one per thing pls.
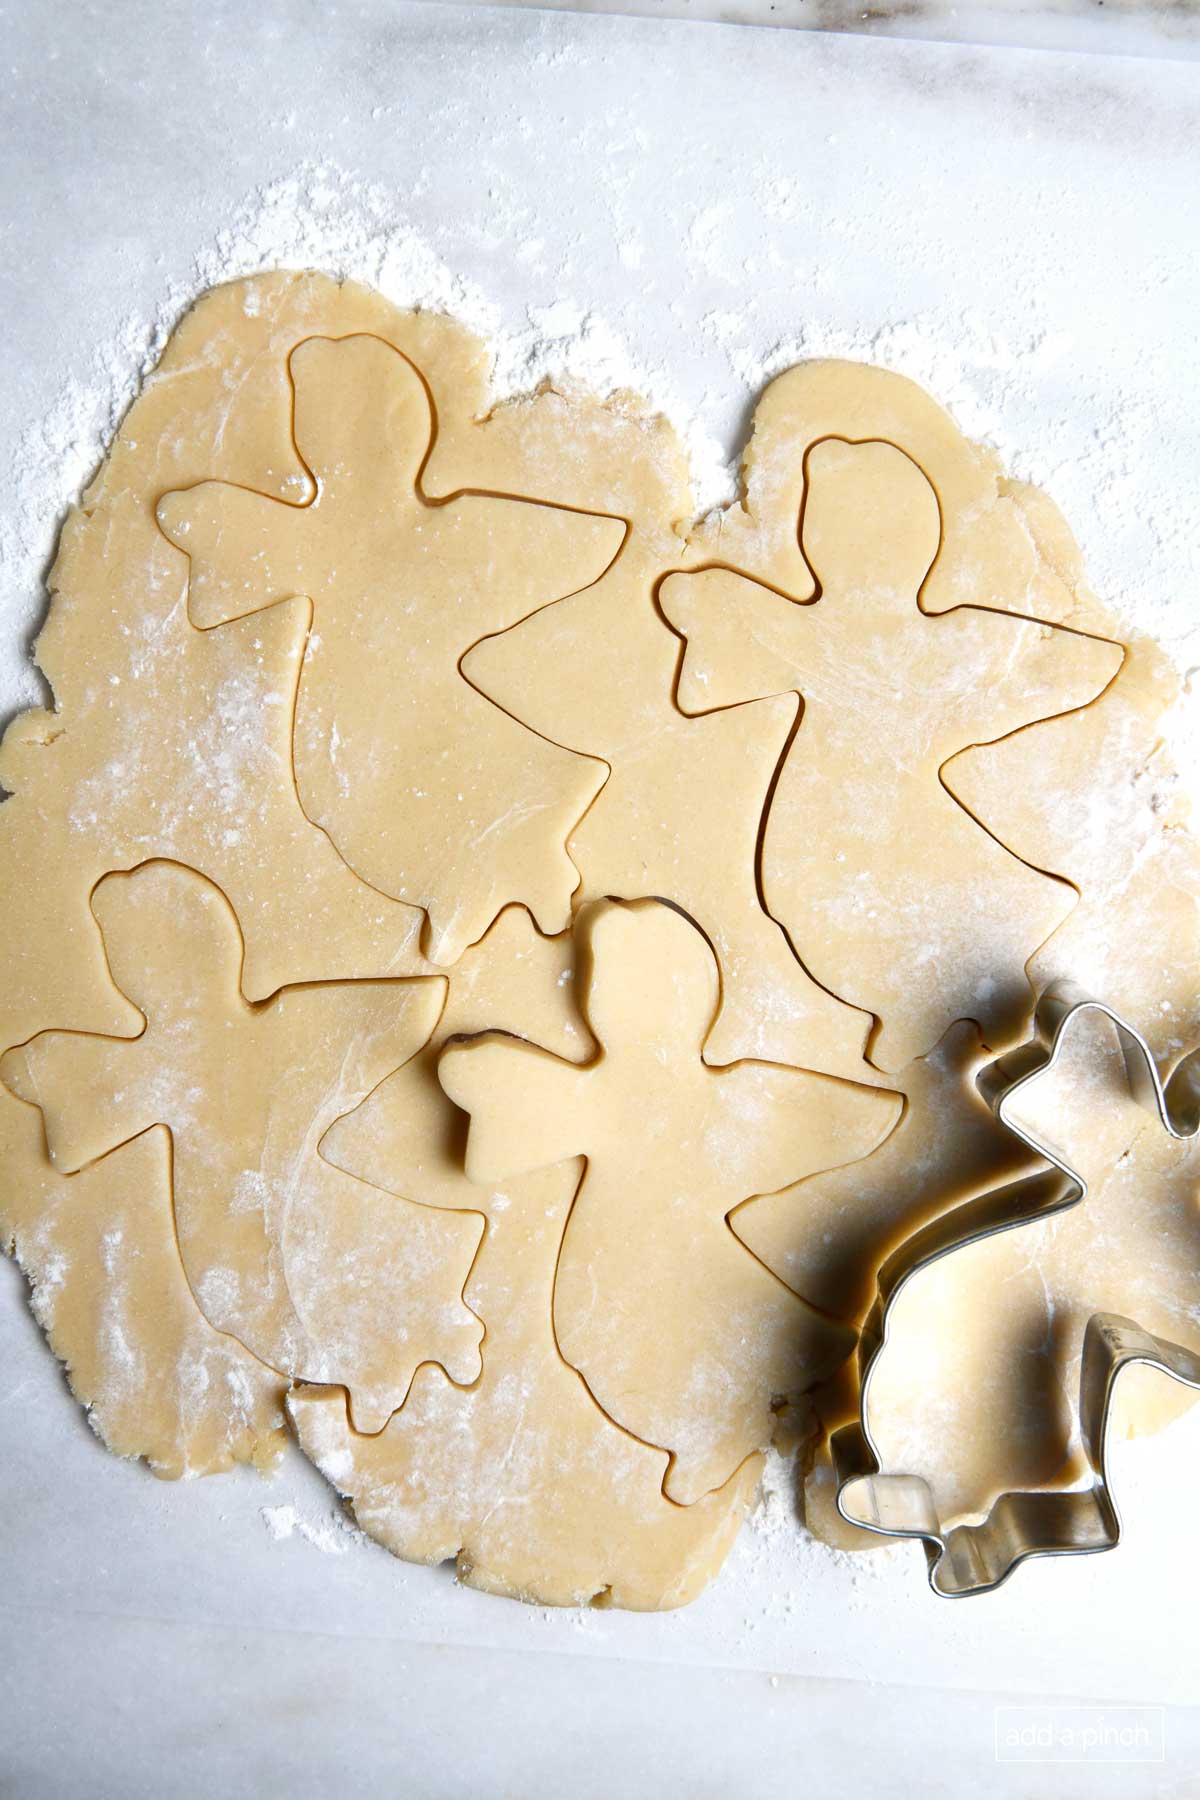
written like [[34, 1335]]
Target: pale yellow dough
[[109, 1290], [827, 1235], [167, 741], [1004, 544], [521, 1477], [680, 813], [682, 1336], [1097, 793], [431, 794], [319, 1275], [887, 887], [371, 683]]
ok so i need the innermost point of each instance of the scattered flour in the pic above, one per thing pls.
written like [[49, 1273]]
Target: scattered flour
[[996, 387], [319, 217], [332, 1538], [786, 1557]]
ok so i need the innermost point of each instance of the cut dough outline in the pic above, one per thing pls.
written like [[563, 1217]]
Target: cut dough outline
[[476, 1563], [892, 409], [432, 503], [599, 1055], [779, 1402], [29, 728], [717, 565], [656, 496], [255, 1007], [1125, 748], [82, 1354], [940, 1200], [485, 695], [863, 1070], [300, 1387], [595, 1055]]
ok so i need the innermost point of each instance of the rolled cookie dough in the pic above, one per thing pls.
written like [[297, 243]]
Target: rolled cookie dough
[[171, 741], [894, 893], [317, 1274], [521, 1477], [683, 1337], [430, 793]]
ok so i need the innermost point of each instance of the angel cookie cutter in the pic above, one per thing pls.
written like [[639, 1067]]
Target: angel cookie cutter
[[973, 1558]]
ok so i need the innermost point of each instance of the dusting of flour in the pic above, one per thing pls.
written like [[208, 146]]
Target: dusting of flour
[[319, 217], [333, 1536]]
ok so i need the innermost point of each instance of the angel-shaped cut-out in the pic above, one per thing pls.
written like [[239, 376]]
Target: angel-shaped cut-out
[[321, 1276], [1015, 1305], [431, 793], [683, 1336], [521, 1477], [680, 813], [892, 893], [171, 743]]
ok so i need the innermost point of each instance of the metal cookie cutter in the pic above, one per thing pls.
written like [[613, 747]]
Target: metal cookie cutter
[[974, 1558]]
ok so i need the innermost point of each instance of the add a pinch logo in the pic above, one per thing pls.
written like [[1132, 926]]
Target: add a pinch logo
[[1085, 1734]]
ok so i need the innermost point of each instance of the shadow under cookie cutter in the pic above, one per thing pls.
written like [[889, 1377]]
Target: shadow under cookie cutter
[[974, 1558]]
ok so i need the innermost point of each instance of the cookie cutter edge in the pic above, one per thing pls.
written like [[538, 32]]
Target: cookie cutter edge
[[978, 1556]]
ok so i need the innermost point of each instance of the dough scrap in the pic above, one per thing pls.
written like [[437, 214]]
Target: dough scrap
[[1097, 792], [860, 819], [680, 813], [317, 1274], [109, 1291], [977, 1388], [401, 589], [694, 1336], [521, 1477]]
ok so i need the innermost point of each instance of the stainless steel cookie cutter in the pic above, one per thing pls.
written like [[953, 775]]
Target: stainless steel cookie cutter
[[973, 1558]]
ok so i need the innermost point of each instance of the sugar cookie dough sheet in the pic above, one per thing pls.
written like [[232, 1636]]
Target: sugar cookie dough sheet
[[386, 718]]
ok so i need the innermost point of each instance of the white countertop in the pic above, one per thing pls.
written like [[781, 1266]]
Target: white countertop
[[1020, 229], [1105, 27]]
